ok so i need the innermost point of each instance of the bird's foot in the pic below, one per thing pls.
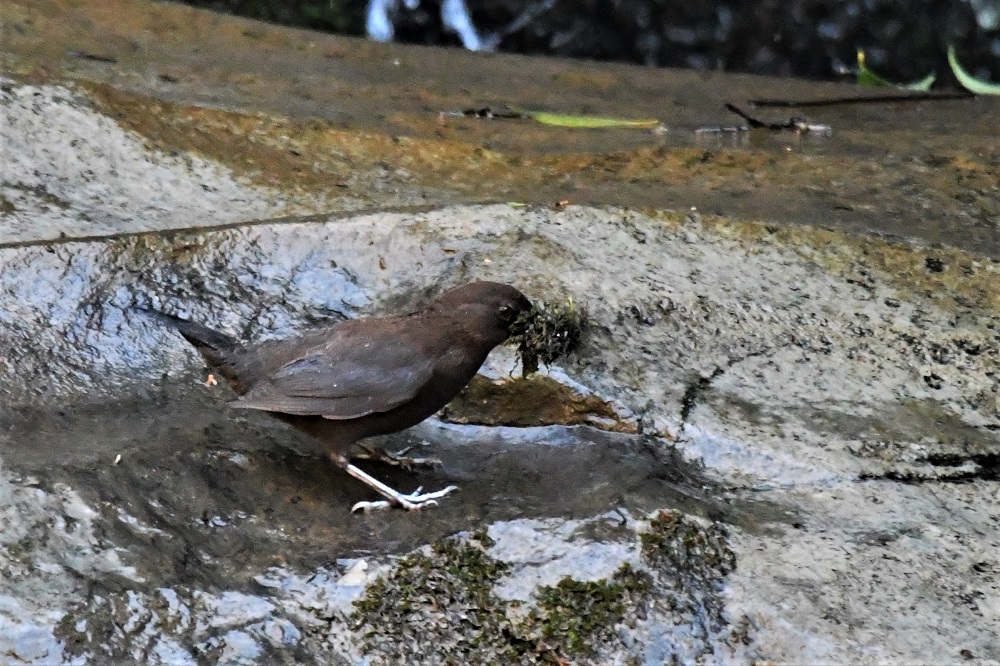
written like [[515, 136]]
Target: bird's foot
[[412, 502], [398, 459]]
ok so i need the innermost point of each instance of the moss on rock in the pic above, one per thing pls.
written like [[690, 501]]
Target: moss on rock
[[574, 616], [438, 606], [692, 561]]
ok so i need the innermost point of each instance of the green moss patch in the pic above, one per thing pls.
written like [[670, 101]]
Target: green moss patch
[[574, 616], [438, 607], [548, 332], [693, 561]]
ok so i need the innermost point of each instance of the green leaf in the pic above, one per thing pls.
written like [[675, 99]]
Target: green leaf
[[588, 122], [969, 82], [867, 77]]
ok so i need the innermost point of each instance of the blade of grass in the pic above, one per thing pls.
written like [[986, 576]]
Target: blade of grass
[[969, 82], [867, 77]]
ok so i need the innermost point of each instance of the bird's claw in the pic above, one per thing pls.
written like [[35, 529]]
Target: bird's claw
[[412, 502], [371, 506]]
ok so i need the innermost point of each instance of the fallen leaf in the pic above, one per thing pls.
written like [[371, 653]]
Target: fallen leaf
[[584, 122]]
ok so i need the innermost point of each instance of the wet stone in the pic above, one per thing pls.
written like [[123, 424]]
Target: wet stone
[[806, 495], [754, 383]]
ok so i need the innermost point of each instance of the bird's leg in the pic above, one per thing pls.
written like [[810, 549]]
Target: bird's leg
[[397, 459], [412, 502]]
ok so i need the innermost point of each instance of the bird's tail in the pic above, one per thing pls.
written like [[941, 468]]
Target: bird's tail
[[223, 352]]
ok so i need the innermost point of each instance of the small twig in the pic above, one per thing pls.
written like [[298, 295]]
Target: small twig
[[91, 56], [485, 112], [865, 99], [794, 123], [755, 123]]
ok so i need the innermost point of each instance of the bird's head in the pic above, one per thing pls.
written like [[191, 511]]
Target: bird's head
[[489, 309]]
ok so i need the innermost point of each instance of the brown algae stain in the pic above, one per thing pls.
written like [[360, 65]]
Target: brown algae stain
[[535, 401], [390, 137]]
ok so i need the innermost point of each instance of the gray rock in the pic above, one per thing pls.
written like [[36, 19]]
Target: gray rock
[[818, 415]]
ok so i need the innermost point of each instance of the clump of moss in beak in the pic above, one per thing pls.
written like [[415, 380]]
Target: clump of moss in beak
[[547, 332]]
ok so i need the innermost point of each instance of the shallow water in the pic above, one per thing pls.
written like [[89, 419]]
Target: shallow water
[[240, 490]]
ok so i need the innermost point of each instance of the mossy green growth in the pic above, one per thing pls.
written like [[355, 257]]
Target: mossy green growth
[[458, 572], [573, 615], [20, 552], [685, 545], [692, 561], [439, 608], [548, 332]]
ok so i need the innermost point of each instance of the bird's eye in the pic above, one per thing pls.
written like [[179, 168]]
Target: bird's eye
[[506, 312]]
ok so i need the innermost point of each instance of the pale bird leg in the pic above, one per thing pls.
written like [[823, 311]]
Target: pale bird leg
[[412, 502]]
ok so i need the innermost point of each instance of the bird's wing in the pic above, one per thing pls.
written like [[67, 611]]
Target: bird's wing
[[343, 379]]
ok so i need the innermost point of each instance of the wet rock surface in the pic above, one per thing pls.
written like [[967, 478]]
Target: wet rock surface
[[777, 377], [70, 171], [777, 442]]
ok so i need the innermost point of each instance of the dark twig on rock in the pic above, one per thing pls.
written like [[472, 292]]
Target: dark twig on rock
[[861, 99]]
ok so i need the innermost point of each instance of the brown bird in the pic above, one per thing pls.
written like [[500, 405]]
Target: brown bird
[[366, 377]]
